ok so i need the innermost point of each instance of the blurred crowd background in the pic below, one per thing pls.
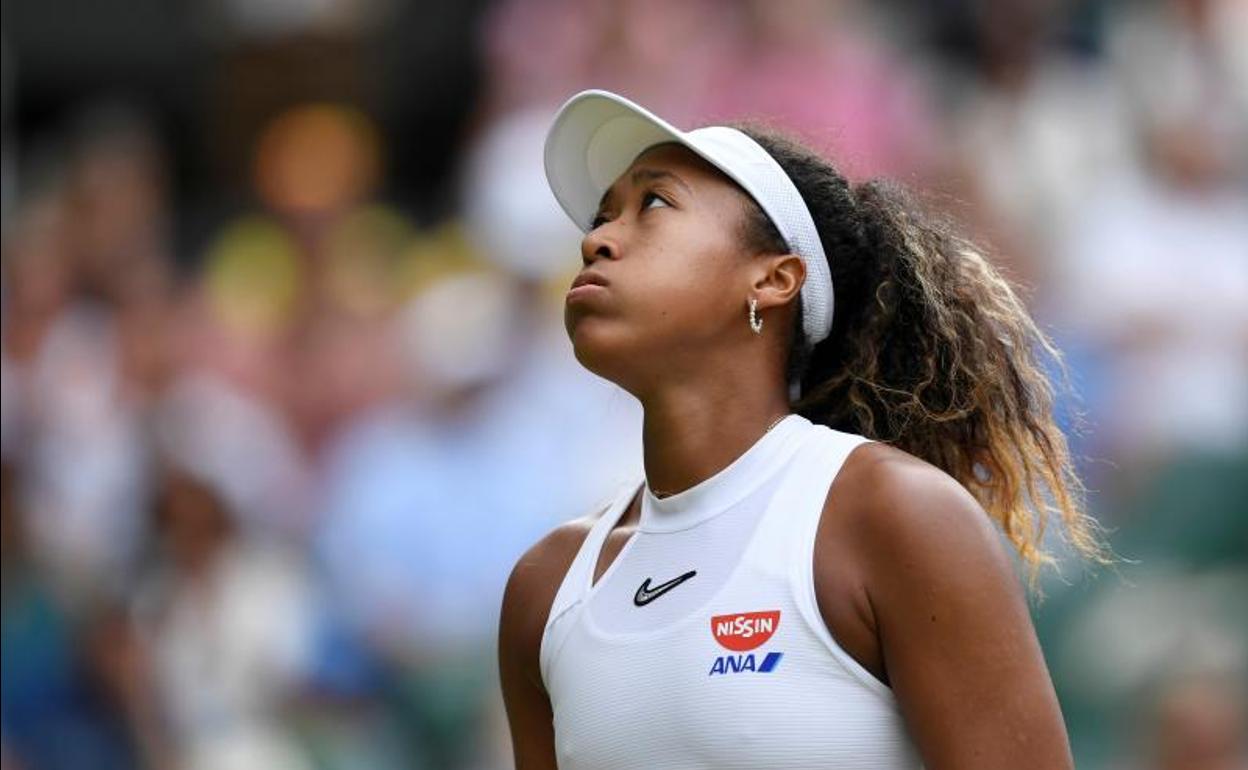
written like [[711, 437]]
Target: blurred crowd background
[[286, 390]]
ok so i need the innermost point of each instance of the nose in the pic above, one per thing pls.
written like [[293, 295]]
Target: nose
[[597, 244]]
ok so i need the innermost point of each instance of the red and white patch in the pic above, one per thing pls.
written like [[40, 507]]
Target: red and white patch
[[745, 631]]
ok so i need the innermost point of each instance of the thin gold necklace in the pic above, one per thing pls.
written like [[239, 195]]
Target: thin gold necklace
[[774, 423]]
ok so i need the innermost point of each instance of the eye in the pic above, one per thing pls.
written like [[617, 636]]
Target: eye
[[651, 197], [598, 221]]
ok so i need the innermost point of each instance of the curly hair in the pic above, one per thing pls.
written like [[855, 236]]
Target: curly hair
[[931, 351]]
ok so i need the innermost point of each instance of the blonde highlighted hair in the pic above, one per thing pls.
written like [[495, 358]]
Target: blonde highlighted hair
[[933, 351]]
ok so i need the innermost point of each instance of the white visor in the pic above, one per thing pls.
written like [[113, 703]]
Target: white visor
[[596, 135]]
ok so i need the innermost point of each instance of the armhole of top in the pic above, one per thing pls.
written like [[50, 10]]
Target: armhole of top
[[803, 576], [575, 582]]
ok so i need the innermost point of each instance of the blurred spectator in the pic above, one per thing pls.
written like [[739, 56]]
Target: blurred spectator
[[296, 296], [118, 205], [665, 55], [242, 448], [810, 68], [224, 622], [85, 525], [1154, 274], [1035, 128], [88, 266], [1182, 67], [430, 500], [54, 714], [1199, 724], [37, 279], [510, 214]]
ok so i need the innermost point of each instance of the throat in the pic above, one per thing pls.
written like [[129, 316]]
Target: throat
[[735, 476]]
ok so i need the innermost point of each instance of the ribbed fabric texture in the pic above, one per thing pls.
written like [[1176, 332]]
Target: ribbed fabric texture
[[734, 667]]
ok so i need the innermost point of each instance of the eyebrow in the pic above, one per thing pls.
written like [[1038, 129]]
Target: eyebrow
[[644, 174]]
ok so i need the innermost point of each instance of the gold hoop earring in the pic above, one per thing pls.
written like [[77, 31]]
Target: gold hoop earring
[[756, 323]]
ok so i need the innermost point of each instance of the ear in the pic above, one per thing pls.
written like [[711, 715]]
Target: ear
[[779, 281]]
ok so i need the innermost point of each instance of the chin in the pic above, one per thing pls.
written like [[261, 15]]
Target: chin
[[598, 347]]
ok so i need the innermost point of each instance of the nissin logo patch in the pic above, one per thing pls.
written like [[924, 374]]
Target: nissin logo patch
[[745, 631]]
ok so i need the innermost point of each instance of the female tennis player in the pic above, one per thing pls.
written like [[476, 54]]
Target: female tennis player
[[841, 397]]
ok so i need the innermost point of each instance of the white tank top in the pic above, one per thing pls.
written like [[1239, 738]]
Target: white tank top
[[702, 645]]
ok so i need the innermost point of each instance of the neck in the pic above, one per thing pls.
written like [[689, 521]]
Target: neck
[[691, 433]]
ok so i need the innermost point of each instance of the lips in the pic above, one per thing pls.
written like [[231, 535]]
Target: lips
[[589, 278]]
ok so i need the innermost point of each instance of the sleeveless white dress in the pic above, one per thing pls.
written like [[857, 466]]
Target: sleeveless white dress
[[702, 645]]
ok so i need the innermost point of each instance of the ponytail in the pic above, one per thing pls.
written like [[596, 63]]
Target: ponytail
[[933, 352]]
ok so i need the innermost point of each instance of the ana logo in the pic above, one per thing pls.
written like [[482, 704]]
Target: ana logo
[[746, 630], [737, 664]]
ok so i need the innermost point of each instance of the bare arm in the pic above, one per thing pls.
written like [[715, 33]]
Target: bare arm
[[527, 600], [954, 629]]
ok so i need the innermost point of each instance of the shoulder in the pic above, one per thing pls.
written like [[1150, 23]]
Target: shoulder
[[895, 502], [912, 524], [541, 568], [531, 589], [949, 612], [548, 559]]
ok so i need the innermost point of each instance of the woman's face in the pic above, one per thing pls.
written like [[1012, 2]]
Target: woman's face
[[667, 242]]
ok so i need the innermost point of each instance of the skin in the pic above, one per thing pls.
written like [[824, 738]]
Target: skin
[[911, 577]]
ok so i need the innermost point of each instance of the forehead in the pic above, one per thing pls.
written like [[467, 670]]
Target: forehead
[[689, 167], [673, 155]]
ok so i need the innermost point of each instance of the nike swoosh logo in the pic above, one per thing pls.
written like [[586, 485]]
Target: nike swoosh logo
[[646, 594]]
